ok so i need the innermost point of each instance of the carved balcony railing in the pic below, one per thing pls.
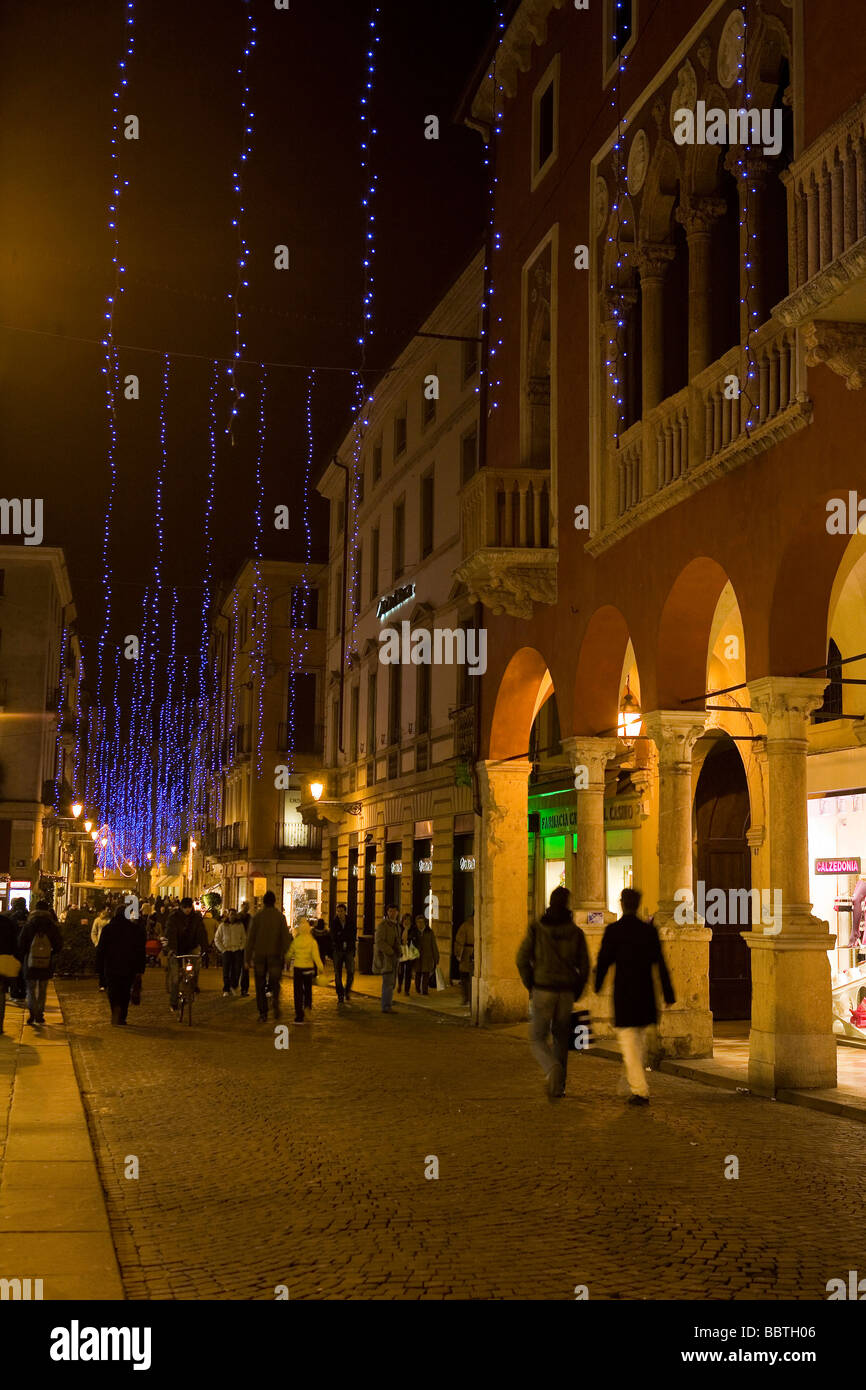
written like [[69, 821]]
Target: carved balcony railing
[[296, 835], [630, 456], [509, 557], [827, 247], [669, 425]]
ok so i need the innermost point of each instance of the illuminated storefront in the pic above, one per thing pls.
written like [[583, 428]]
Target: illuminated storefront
[[553, 838]]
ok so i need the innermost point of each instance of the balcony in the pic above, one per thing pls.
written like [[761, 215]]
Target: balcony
[[290, 835], [827, 248], [231, 839], [509, 559], [705, 431]]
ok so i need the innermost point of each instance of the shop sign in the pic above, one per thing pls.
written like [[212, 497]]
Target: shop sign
[[390, 602], [618, 810], [836, 866], [396, 866], [467, 863], [371, 870], [335, 871], [19, 883], [354, 871], [425, 866], [555, 822]]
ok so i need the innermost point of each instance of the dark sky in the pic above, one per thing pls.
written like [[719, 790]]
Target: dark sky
[[302, 187]]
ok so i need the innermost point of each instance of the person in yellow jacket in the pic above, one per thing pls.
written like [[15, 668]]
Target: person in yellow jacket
[[305, 960]]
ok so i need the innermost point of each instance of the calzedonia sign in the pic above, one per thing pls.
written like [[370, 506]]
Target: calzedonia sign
[[837, 866]]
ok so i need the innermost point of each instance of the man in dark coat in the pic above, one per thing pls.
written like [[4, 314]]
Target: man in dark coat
[[18, 913], [39, 941], [120, 957], [8, 947], [553, 962], [633, 947], [186, 936], [344, 939]]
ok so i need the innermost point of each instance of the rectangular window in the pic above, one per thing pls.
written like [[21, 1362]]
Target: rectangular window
[[545, 123], [468, 456], [399, 538], [400, 434], [374, 562], [302, 712], [427, 514], [371, 712], [377, 462], [422, 700], [470, 359], [395, 703], [338, 600], [356, 581], [428, 403], [353, 722]]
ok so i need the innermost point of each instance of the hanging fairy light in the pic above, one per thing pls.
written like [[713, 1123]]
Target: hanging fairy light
[[243, 251], [616, 298], [488, 376], [260, 595], [204, 725], [748, 191], [299, 621]]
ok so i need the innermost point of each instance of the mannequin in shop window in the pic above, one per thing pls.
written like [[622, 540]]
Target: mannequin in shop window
[[859, 899]]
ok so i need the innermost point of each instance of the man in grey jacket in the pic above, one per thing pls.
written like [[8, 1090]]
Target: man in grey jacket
[[553, 962], [268, 940], [386, 953]]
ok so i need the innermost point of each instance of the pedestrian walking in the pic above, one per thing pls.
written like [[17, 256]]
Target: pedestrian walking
[[405, 964], [230, 941], [268, 940], [305, 959], [464, 953], [244, 916], [428, 954], [38, 943], [344, 940], [18, 988], [186, 936], [322, 938], [386, 953], [553, 962], [121, 959], [632, 947], [210, 926], [10, 961]]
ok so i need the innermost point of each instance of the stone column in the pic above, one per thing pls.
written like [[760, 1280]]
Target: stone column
[[687, 1029], [500, 910], [589, 893], [653, 259], [698, 216], [791, 1044]]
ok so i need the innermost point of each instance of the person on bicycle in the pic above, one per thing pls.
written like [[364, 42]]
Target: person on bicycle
[[186, 936]]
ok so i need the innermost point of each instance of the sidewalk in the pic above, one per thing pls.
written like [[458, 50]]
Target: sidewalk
[[448, 1001], [728, 1067], [53, 1220]]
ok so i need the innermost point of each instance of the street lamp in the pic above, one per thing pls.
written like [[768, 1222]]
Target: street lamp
[[77, 808], [628, 724], [316, 789], [94, 835], [88, 826]]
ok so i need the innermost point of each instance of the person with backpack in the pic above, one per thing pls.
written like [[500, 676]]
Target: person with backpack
[[121, 959], [39, 941], [10, 963], [186, 936], [633, 947], [553, 962]]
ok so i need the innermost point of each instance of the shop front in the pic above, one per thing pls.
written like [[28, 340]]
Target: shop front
[[422, 867], [553, 842], [393, 873], [302, 897], [837, 882]]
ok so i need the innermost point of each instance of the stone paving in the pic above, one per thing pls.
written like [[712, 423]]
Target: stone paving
[[305, 1167]]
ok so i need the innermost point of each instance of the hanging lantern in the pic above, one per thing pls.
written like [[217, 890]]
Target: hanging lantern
[[628, 724]]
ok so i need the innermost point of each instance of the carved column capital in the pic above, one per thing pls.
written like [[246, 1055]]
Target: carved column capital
[[839, 346], [697, 215], [674, 733], [653, 259], [785, 704], [592, 753]]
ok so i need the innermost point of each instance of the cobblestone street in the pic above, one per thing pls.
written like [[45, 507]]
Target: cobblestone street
[[306, 1167]]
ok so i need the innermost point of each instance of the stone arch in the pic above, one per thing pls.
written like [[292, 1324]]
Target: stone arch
[[797, 632], [599, 672], [525, 685], [684, 631], [846, 622]]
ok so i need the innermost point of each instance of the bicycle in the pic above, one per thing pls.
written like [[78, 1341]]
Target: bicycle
[[186, 986]]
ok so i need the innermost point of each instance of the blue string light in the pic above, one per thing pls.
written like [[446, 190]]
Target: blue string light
[[748, 236], [247, 118], [260, 596], [488, 373]]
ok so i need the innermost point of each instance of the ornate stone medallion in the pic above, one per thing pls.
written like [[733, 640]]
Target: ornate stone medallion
[[730, 49], [638, 162]]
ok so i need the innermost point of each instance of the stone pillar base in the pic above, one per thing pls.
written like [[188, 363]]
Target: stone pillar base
[[791, 1042], [686, 1029], [499, 1001]]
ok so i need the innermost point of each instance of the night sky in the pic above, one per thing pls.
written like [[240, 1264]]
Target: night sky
[[302, 187]]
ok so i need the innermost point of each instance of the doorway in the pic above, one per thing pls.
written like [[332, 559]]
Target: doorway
[[722, 817]]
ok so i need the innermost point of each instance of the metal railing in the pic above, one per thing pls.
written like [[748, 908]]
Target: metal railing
[[296, 835]]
